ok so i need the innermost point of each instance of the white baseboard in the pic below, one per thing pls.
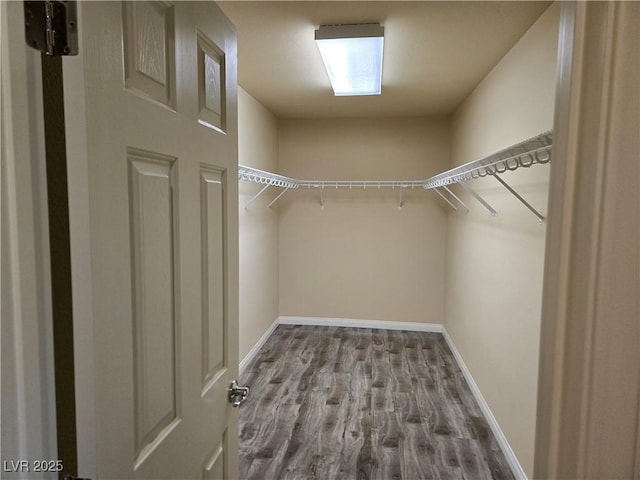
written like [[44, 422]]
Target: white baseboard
[[355, 323], [254, 350], [516, 468]]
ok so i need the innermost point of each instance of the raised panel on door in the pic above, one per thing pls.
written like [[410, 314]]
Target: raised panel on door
[[149, 50], [217, 464], [156, 355], [211, 84], [214, 319]]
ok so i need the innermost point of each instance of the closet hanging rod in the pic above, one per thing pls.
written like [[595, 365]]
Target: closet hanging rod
[[361, 183], [251, 174], [267, 178], [536, 150]]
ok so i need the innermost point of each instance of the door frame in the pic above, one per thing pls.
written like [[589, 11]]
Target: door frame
[[81, 275], [28, 380], [588, 418]]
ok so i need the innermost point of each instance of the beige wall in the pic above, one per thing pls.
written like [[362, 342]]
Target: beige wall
[[258, 227], [360, 257], [494, 266]]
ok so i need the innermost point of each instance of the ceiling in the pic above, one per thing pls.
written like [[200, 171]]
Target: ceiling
[[435, 53]]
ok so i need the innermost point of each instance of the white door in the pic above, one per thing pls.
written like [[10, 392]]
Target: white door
[[151, 122]]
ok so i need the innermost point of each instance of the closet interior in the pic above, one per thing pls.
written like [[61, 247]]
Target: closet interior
[[338, 226]]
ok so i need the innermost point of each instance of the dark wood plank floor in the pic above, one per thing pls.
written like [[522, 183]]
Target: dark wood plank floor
[[355, 403]]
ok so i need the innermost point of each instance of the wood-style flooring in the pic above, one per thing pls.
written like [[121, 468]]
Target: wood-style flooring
[[356, 403]]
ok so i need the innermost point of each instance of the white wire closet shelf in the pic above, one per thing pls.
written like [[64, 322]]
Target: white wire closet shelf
[[535, 150]]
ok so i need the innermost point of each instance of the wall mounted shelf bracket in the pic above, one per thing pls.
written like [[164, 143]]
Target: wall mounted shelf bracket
[[464, 205], [256, 196], [445, 198], [517, 195], [478, 197], [278, 197]]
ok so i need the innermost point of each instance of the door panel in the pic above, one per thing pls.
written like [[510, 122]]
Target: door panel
[[214, 320], [216, 467], [155, 362], [149, 50], [211, 92], [161, 238]]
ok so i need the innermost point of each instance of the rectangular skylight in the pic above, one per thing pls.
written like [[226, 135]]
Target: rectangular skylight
[[352, 56]]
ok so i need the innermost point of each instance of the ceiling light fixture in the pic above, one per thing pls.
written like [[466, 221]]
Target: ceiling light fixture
[[352, 56]]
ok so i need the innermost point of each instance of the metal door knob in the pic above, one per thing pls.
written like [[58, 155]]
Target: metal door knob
[[237, 393]]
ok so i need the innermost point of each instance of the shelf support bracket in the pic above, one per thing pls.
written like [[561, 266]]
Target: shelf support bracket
[[286, 189], [252, 199], [479, 198], [400, 202], [435, 189], [457, 198], [515, 194]]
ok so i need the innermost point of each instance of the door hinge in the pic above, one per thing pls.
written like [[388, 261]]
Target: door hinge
[[51, 26]]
